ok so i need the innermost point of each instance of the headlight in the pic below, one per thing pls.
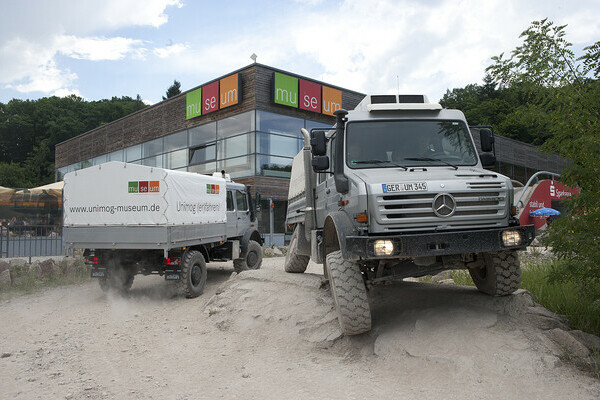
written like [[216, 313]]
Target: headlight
[[383, 247], [511, 238]]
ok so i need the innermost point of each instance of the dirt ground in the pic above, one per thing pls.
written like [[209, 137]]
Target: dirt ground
[[270, 335]]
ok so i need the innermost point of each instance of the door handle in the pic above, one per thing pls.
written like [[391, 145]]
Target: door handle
[[328, 191]]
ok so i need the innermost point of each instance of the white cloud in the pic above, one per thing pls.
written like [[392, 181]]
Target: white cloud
[[66, 92], [96, 48], [430, 46], [171, 50], [67, 28]]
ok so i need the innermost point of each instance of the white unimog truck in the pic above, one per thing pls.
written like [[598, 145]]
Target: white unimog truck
[[396, 189], [132, 219]]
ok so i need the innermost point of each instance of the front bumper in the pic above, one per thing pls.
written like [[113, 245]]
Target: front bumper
[[438, 244]]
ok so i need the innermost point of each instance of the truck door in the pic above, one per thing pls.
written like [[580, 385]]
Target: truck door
[[231, 214], [243, 212], [325, 192]]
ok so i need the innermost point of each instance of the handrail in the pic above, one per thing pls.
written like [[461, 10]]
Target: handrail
[[534, 176]]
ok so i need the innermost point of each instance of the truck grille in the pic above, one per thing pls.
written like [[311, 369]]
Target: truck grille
[[483, 204]]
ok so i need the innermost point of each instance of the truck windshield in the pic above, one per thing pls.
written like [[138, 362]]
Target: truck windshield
[[389, 144]]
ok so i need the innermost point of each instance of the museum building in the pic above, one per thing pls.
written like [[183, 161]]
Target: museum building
[[248, 124]]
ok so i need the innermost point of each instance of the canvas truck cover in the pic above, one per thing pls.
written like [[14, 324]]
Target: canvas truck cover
[[121, 194]]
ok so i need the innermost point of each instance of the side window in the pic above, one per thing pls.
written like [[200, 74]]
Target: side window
[[242, 203], [230, 206]]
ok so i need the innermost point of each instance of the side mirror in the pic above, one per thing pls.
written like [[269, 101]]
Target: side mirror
[[320, 163], [487, 140], [487, 160], [318, 143]]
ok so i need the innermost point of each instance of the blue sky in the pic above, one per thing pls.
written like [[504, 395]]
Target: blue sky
[[99, 49]]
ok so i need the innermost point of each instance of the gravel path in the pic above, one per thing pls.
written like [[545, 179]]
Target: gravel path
[[270, 335]]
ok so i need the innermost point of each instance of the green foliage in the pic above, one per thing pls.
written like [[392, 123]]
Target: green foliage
[[519, 112], [546, 63], [29, 130], [173, 90], [13, 175]]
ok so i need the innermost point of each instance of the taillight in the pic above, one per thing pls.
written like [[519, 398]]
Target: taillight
[[173, 261], [91, 260]]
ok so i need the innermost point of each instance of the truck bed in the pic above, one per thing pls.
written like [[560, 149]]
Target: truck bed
[[159, 237]]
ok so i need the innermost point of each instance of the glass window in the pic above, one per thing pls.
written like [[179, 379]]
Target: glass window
[[60, 173], [273, 166], [202, 154], [236, 146], [133, 153], [277, 123], [237, 167], [116, 156], [520, 174], [506, 169], [85, 164], [277, 145], [241, 201], [176, 159], [156, 161], [203, 134], [389, 144], [206, 168], [230, 206], [99, 160], [152, 147], [241, 123], [314, 124], [176, 141]]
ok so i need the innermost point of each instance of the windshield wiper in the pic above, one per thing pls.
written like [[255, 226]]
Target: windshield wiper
[[430, 159], [379, 162]]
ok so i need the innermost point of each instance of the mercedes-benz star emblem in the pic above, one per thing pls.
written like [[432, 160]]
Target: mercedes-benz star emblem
[[444, 205]]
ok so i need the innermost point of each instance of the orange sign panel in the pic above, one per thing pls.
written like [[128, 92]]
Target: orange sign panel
[[229, 92], [332, 100]]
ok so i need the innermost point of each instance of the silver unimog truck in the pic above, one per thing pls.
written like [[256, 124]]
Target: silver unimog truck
[[396, 189]]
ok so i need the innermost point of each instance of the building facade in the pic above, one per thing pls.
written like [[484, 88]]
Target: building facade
[[248, 124]]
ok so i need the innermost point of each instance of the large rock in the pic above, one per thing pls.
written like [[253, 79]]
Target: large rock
[[49, 268], [5, 279], [16, 262], [571, 346], [546, 319], [590, 341], [4, 266], [35, 269]]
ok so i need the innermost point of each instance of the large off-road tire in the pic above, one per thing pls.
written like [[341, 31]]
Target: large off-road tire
[[252, 260], [294, 262], [119, 278], [349, 294], [500, 275], [193, 274]]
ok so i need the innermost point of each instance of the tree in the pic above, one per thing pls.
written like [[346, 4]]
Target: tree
[[29, 130], [13, 175], [173, 90], [545, 60]]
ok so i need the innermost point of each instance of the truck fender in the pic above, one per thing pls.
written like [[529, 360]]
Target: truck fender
[[335, 229], [250, 234]]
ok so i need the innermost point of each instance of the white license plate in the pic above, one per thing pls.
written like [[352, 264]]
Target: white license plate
[[404, 187]]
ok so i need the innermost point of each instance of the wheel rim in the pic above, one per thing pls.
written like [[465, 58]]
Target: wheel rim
[[196, 275], [481, 273], [252, 259]]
